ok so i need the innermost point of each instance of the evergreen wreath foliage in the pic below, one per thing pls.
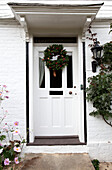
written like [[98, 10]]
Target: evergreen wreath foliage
[[61, 58]]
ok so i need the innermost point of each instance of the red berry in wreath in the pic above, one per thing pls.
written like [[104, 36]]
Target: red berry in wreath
[[54, 58]]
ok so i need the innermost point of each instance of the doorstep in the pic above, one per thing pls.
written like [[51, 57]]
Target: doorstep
[[56, 140], [56, 149]]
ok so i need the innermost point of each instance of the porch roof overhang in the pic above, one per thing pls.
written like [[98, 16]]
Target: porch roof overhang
[[51, 20]]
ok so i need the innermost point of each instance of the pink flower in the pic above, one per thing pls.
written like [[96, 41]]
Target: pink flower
[[4, 116], [4, 86], [6, 97], [7, 91], [16, 160], [17, 149], [16, 123], [6, 161], [5, 128], [16, 132]]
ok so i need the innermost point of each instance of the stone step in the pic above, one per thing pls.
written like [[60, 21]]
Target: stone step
[[56, 140], [66, 161]]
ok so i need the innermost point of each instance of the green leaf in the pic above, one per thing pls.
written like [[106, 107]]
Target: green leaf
[[2, 137], [23, 141], [99, 92]]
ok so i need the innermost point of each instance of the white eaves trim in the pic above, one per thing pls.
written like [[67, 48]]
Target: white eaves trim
[[24, 9], [87, 23], [30, 8], [105, 11]]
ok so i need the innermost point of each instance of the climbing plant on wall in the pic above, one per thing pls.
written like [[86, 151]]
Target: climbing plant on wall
[[99, 91]]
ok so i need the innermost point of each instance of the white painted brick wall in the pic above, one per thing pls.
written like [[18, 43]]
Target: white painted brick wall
[[98, 132], [12, 73], [100, 151]]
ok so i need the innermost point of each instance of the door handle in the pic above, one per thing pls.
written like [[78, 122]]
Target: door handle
[[70, 92], [82, 87]]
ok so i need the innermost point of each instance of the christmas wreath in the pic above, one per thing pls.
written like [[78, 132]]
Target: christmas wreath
[[56, 57]]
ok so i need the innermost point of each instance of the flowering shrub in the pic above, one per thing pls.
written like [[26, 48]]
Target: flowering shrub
[[11, 148], [11, 142], [3, 92], [99, 91], [107, 56]]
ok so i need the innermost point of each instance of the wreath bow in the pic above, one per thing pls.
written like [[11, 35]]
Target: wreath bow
[[56, 57]]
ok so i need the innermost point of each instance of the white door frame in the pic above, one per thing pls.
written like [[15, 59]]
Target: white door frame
[[80, 92]]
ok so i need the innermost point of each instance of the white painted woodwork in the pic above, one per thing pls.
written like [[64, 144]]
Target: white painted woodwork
[[81, 94], [55, 115], [31, 117], [105, 12], [55, 19]]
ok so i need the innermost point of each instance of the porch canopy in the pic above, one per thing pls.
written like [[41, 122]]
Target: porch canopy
[[55, 20]]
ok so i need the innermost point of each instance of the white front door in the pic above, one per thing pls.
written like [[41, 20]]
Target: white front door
[[55, 98]]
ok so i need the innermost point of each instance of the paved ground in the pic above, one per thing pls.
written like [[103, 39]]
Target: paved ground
[[59, 162], [56, 162], [106, 166]]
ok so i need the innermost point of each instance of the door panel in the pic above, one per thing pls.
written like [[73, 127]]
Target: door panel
[[56, 112], [56, 99], [68, 112]]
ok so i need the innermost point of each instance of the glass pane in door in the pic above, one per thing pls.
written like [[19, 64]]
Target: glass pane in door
[[70, 73], [41, 71], [56, 79]]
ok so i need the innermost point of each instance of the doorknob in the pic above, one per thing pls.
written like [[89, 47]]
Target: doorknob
[[70, 92]]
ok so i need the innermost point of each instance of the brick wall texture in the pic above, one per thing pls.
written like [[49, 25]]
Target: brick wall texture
[[13, 74]]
